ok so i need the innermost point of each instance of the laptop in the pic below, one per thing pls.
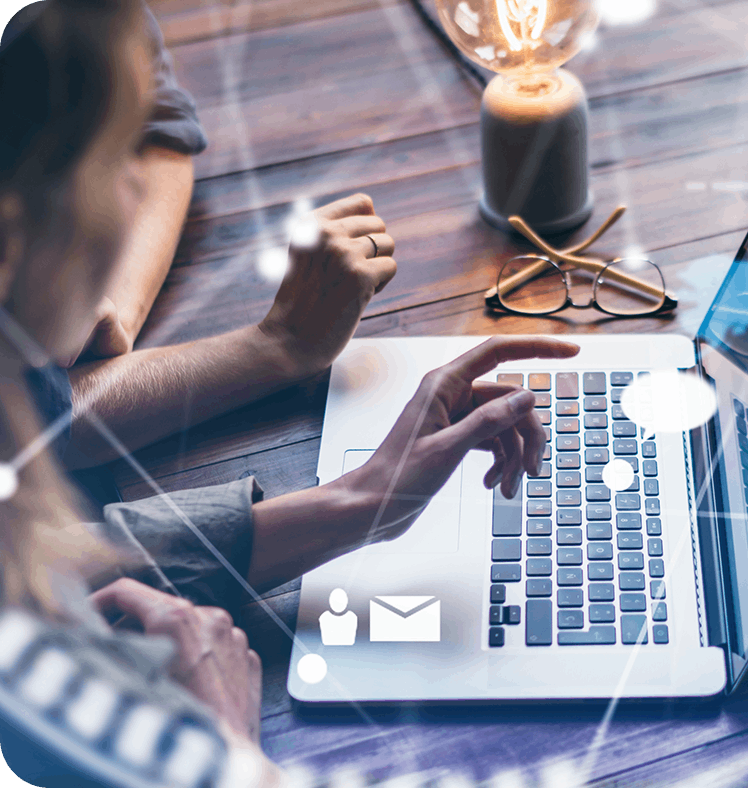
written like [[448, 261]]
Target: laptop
[[590, 583]]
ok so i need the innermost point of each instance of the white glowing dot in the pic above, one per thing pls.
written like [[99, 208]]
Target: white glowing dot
[[590, 41], [304, 232], [618, 475], [669, 401], [312, 668], [633, 254], [272, 264], [561, 775], [8, 481], [509, 779], [614, 12]]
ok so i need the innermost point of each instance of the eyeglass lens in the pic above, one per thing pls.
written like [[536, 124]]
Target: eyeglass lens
[[531, 285], [630, 287]]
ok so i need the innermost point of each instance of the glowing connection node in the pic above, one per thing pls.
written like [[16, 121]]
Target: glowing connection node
[[8, 481], [272, 264], [618, 475], [305, 232], [312, 668], [669, 401]]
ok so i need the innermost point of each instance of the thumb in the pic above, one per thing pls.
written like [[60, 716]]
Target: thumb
[[488, 420]]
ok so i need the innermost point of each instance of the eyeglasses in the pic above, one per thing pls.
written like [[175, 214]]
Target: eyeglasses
[[535, 285]]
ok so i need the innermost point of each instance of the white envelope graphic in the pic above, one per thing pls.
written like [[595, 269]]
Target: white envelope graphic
[[413, 619]]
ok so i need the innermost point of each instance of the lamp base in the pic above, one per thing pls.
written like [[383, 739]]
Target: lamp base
[[534, 147], [553, 227]]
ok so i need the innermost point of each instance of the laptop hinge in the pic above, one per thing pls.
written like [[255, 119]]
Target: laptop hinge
[[713, 601]]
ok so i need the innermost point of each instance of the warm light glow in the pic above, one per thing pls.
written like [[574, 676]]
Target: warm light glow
[[519, 37]]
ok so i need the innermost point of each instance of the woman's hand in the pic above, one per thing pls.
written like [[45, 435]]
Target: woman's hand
[[450, 414], [213, 659], [333, 273]]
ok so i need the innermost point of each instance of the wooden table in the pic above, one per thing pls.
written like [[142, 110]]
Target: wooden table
[[305, 102]]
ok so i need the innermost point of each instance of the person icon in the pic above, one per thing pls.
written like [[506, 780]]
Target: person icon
[[338, 627]]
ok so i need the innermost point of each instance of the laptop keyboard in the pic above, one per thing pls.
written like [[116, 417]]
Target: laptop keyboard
[[573, 561]]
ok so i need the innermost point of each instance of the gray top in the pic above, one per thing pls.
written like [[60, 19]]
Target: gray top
[[173, 123]]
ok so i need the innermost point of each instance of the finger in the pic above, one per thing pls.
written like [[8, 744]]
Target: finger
[[496, 471], [385, 270], [377, 245], [489, 354], [533, 439], [255, 693], [356, 226], [131, 597], [512, 476], [347, 206], [487, 421]]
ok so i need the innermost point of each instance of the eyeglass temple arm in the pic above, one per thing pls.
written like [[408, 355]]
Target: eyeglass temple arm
[[604, 227]]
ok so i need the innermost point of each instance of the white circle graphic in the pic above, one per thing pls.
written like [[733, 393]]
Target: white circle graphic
[[8, 481], [618, 475], [312, 668]]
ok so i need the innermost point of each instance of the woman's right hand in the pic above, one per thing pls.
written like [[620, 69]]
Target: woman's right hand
[[450, 414]]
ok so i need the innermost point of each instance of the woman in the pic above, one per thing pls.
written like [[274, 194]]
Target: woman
[[69, 187]]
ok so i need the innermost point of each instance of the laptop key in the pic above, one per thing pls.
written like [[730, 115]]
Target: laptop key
[[651, 486], [568, 576], [654, 526], [596, 438], [633, 629], [601, 613], [544, 416], [567, 408], [570, 597], [596, 456], [568, 479], [514, 378], [600, 551], [593, 383], [649, 467], [659, 633], [496, 614], [567, 443], [567, 425], [512, 614], [615, 395], [628, 521], [498, 594], [542, 399], [628, 501], [538, 622], [495, 637], [569, 517], [538, 587], [632, 602], [599, 531], [739, 409], [597, 492], [657, 589], [569, 556], [538, 546], [538, 567], [631, 560], [539, 508], [595, 421], [652, 506], [539, 527], [568, 461], [539, 381], [506, 573], [600, 571], [545, 472], [621, 378], [629, 540], [624, 446], [507, 515], [539, 489], [656, 567], [595, 636], [624, 429], [568, 536], [617, 413], [591, 404], [601, 592], [649, 449], [593, 474], [659, 611], [567, 385], [631, 581], [568, 498], [506, 549], [570, 619], [599, 511], [654, 547]]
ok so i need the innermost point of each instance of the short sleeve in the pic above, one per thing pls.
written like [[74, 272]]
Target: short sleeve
[[173, 123], [193, 541]]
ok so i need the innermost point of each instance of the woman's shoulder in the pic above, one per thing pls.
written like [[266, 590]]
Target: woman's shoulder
[[102, 706]]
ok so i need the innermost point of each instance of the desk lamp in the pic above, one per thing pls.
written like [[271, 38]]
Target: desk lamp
[[533, 114]]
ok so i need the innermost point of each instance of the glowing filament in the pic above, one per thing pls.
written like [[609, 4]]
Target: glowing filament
[[528, 15]]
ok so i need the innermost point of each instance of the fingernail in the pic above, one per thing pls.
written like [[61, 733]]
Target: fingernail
[[522, 399], [539, 461], [514, 489]]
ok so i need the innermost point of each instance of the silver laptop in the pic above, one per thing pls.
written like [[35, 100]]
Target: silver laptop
[[615, 573]]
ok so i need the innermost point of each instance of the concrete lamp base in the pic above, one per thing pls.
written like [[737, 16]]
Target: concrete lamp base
[[534, 146]]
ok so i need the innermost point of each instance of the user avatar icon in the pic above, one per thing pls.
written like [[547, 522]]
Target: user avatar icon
[[338, 627]]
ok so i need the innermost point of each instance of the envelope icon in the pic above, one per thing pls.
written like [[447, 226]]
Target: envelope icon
[[413, 619]]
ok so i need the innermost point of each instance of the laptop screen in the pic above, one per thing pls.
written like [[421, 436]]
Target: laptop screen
[[723, 352]]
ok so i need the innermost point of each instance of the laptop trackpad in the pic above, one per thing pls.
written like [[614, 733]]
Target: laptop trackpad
[[436, 530]]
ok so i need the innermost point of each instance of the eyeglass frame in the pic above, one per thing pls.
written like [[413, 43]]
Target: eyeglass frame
[[493, 301]]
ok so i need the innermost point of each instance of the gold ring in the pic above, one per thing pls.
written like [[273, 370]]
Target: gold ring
[[376, 248]]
